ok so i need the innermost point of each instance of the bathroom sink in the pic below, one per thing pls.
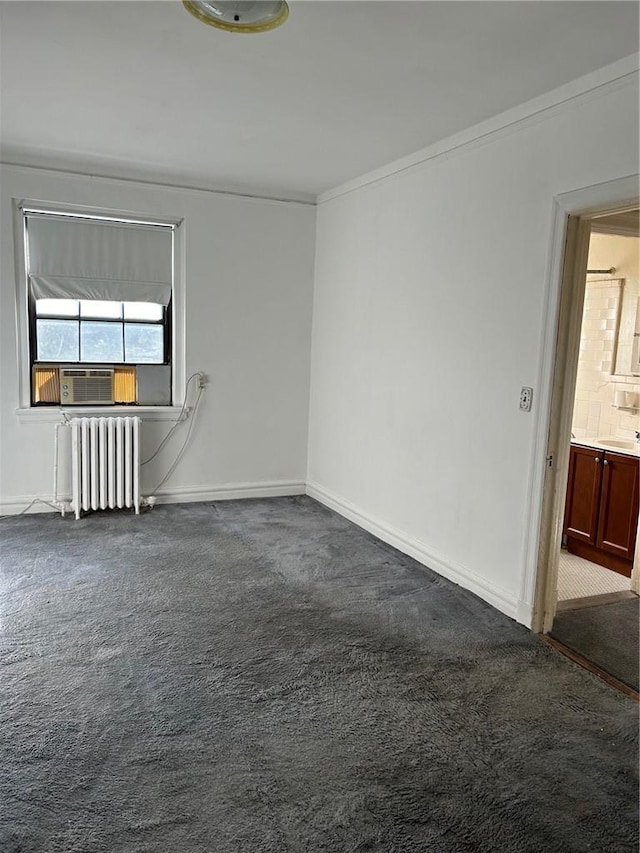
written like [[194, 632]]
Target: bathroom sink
[[619, 443]]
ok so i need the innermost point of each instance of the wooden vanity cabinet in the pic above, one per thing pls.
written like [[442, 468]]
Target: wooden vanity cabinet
[[601, 510], [583, 494]]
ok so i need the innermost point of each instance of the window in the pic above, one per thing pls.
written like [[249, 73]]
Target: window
[[97, 331], [99, 295]]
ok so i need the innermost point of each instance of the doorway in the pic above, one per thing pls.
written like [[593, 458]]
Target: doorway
[[585, 571]]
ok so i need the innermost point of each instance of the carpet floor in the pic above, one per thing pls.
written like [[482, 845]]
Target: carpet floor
[[606, 634], [263, 677]]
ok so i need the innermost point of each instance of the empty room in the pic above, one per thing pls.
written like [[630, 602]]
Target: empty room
[[319, 331]]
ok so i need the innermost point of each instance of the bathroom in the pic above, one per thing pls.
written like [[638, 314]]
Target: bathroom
[[599, 566], [606, 413]]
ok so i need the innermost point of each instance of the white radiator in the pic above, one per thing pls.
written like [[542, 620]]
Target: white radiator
[[105, 455]]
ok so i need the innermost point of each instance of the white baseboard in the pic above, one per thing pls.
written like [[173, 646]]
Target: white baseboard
[[230, 491], [181, 494], [524, 613], [19, 504], [464, 577]]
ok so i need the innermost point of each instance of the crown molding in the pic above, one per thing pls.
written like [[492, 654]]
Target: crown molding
[[622, 72], [21, 162]]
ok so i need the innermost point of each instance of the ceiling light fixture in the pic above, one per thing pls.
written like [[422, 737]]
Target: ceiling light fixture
[[240, 17]]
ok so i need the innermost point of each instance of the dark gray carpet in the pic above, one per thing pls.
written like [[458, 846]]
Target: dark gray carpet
[[607, 635], [264, 676]]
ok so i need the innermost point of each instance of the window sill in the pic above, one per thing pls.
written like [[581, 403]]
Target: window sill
[[55, 414]]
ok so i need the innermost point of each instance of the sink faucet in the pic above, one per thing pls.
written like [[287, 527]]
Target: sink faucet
[[638, 436]]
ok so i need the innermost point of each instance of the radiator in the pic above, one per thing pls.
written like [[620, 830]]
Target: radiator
[[105, 463]]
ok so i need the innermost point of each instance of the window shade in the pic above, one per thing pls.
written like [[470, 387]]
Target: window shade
[[71, 258]]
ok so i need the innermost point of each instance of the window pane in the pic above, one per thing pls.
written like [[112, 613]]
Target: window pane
[[143, 311], [57, 307], [100, 309], [143, 344], [57, 340], [100, 341]]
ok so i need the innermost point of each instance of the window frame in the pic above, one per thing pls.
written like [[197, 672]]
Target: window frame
[[174, 312]]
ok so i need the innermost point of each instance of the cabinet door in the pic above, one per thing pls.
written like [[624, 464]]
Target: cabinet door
[[618, 521], [583, 494]]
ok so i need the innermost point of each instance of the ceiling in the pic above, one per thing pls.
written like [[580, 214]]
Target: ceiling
[[626, 224], [142, 89]]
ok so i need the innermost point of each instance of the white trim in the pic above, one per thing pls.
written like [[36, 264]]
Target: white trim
[[18, 503], [179, 316], [164, 183], [230, 491], [635, 571], [544, 379], [524, 609], [180, 494], [22, 310], [620, 72], [461, 575], [75, 211], [53, 415]]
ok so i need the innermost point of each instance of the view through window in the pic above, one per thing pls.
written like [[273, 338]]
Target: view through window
[[69, 330]]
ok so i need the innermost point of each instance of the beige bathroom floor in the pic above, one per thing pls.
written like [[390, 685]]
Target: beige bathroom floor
[[578, 578]]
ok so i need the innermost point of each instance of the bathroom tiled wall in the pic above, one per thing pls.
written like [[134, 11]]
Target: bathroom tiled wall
[[594, 413]]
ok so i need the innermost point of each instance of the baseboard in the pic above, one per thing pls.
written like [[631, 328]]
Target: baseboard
[[524, 613], [460, 575], [180, 494], [230, 491], [23, 504]]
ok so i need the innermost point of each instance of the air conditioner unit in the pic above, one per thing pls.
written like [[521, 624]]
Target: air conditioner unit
[[84, 386]]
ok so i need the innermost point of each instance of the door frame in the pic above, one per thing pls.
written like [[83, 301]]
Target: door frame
[[573, 213]]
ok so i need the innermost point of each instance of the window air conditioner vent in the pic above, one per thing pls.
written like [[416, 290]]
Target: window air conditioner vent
[[86, 386]]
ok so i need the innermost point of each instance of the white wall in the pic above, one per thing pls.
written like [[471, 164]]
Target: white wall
[[248, 292], [430, 297]]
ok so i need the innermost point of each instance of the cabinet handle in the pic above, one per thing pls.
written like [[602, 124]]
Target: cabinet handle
[[597, 459], [606, 462]]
